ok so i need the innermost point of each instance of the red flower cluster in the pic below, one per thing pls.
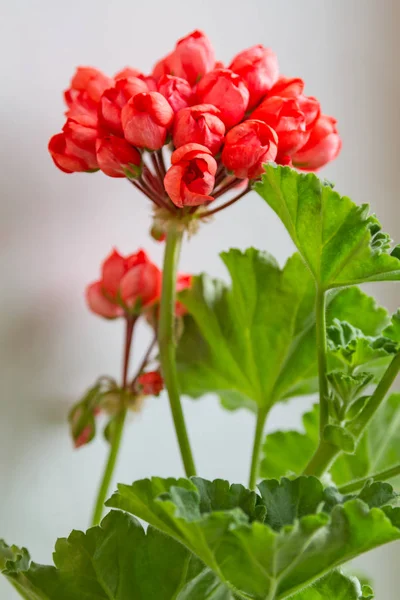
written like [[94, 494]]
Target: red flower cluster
[[220, 122], [129, 286]]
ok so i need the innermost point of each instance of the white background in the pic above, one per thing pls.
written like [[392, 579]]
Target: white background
[[55, 229]]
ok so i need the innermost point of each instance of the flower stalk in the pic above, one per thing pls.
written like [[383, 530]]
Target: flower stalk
[[118, 429], [167, 343]]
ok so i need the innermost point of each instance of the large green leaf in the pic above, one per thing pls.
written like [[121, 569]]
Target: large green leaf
[[273, 556], [116, 561], [237, 339], [254, 343], [340, 242], [289, 451]]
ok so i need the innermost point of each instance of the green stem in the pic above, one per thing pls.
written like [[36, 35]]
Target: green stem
[[322, 459], [354, 486], [119, 427], [109, 470], [320, 323], [167, 345], [357, 426], [260, 424]]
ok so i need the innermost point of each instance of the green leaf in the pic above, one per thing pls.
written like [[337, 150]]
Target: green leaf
[[288, 452], [259, 561], [340, 437], [352, 349], [336, 586], [237, 340], [116, 561], [379, 448], [393, 330], [375, 494], [254, 343], [340, 242]]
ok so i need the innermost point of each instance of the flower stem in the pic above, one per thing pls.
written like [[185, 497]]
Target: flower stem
[[209, 213], [167, 346], [109, 470], [260, 424], [320, 323], [119, 427], [354, 486]]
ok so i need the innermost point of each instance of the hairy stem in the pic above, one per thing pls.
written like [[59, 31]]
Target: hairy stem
[[167, 346], [118, 430], [260, 424], [354, 486], [320, 323]]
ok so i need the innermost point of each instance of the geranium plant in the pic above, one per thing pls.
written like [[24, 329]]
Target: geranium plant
[[194, 137]]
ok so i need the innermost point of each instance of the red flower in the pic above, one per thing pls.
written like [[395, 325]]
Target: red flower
[[287, 87], [228, 92], [176, 90], [74, 149], [199, 124], [323, 145], [114, 99], [150, 383], [191, 178], [293, 88], [289, 122], [129, 283], [84, 94], [117, 158], [247, 147], [146, 119], [192, 58], [258, 67], [129, 72]]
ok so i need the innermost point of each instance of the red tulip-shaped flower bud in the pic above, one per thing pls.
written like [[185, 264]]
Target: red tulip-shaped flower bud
[[258, 67], [176, 90], [323, 146], [289, 122], [100, 304], [228, 92], [83, 96], [247, 147], [287, 87], [129, 72], [141, 285], [146, 119], [127, 283], [150, 383], [311, 109], [117, 158], [199, 124], [191, 178], [114, 99], [293, 88], [192, 58], [74, 149]]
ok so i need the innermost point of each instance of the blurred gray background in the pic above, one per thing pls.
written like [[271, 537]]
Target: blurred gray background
[[55, 229]]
